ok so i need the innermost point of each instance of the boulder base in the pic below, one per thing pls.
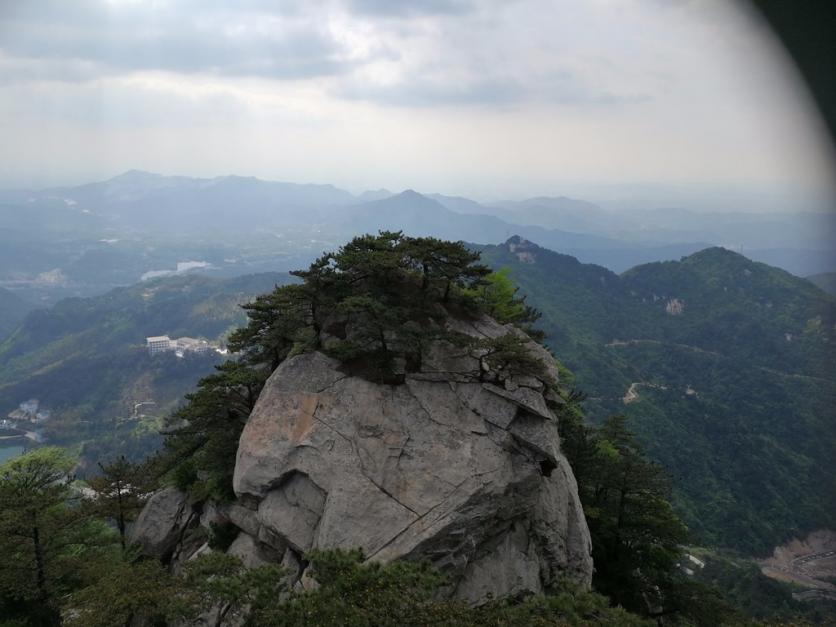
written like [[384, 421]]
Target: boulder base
[[159, 526]]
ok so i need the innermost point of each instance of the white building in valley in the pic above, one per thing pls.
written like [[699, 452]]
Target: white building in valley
[[191, 345], [179, 346], [159, 344], [30, 411]]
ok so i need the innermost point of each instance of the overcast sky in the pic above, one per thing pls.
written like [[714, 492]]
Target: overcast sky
[[612, 99]]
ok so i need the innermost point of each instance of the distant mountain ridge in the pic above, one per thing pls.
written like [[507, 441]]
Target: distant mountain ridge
[[825, 281], [176, 208], [12, 311], [561, 212], [418, 214]]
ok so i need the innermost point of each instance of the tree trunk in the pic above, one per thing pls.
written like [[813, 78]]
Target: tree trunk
[[121, 518], [622, 501], [39, 560]]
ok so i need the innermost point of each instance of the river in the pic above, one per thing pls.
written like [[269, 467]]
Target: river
[[7, 451]]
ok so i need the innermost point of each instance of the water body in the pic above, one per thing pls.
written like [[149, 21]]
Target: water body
[[9, 451]]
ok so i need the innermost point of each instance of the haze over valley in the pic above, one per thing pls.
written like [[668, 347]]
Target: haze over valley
[[85, 239], [439, 312]]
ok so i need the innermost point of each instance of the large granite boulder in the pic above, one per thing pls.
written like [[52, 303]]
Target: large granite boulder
[[454, 465], [159, 527]]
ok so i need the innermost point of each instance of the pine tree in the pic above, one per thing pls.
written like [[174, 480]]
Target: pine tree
[[38, 533], [277, 321], [376, 304], [202, 436], [636, 535], [120, 492]]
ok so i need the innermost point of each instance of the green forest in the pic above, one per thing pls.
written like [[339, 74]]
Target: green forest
[[85, 359], [70, 561], [734, 395]]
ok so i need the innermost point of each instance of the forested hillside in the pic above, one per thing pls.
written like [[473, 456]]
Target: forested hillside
[[12, 310], [724, 368], [716, 412], [825, 280], [424, 363], [85, 358]]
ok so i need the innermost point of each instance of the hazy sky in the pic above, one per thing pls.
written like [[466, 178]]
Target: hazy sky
[[681, 99]]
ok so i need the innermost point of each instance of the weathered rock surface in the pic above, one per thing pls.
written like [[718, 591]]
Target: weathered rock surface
[[159, 527], [461, 469], [250, 551]]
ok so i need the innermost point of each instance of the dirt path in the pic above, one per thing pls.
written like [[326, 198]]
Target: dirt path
[[632, 393], [810, 563]]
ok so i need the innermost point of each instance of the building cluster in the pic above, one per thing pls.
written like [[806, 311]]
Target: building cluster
[[690, 564], [179, 346], [30, 411]]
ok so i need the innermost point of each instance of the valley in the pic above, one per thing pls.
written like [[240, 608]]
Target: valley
[[809, 563], [86, 359], [721, 364], [369, 313], [721, 399], [84, 240], [720, 379]]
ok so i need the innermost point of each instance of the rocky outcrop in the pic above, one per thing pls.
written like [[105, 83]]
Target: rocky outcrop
[[159, 528], [455, 465]]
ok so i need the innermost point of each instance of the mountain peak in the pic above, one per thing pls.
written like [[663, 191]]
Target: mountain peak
[[715, 254], [237, 177], [524, 250], [407, 199], [374, 194], [134, 176], [518, 242]]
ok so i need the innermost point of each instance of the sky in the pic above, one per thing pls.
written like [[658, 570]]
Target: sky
[[665, 102]]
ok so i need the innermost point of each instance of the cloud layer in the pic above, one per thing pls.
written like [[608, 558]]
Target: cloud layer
[[484, 98]]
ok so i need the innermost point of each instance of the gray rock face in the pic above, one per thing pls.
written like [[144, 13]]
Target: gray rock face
[[455, 465], [249, 551], [292, 511], [159, 526]]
